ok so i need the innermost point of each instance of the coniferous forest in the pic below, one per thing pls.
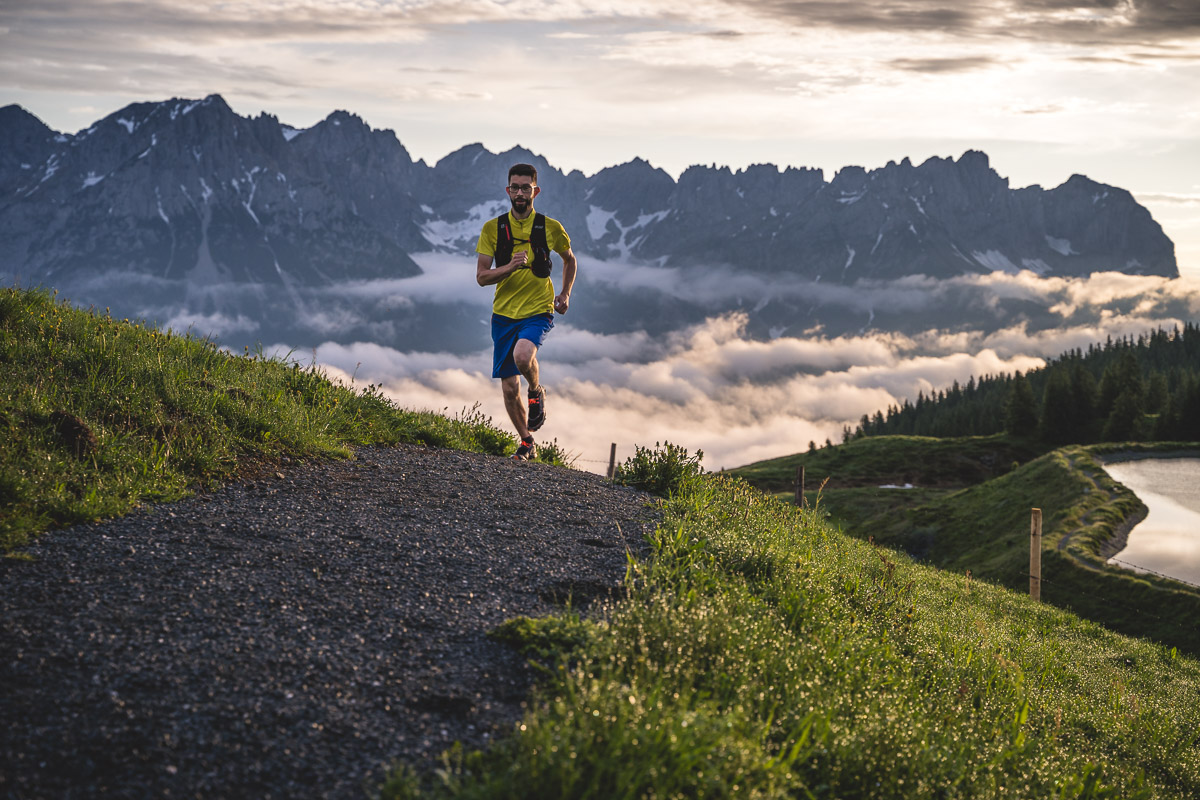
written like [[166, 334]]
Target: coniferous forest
[[1144, 389]]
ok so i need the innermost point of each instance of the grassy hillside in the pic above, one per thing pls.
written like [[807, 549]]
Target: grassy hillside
[[761, 653], [877, 460], [98, 415], [983, 528]]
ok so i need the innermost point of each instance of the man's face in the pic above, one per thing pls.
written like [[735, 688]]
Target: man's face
[[521, 191]]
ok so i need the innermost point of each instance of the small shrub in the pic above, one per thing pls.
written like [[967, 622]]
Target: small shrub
[[553, 453], [662, 471]]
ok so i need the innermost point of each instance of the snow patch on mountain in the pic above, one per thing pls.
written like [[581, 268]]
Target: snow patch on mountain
[[52, 166], [454, 235], [1061, 246], [625, 245], [878, 239], [996, 261], [597, 221], [161, 213]]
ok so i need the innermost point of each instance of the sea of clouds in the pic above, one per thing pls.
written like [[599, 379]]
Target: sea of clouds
[[711, 385]]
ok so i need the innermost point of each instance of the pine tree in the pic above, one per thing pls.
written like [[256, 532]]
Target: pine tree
[[1121, 425], [1121, 376], [1020, 414], [1057, 424], [1083, 398], [1156, 394]]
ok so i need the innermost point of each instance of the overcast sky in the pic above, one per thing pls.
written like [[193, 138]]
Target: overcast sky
[[1047, 88]]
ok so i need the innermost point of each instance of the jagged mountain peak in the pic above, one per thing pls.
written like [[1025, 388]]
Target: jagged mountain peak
[[634, 167], [26, 144], [340, 115], [974, 159], [165, 188], [14, 115], [851, 174]]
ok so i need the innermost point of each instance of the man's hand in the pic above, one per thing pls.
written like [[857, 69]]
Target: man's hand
[[486, 276], [562, 303]]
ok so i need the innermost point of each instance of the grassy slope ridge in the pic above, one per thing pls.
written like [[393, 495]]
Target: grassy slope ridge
[[869, 461], [761, 653], [984, 527], [98, 415]]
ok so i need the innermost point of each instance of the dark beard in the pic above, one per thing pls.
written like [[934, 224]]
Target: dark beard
[[524, 204]]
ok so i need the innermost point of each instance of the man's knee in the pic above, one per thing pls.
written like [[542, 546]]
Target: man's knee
[[523, 353], [511, 386]]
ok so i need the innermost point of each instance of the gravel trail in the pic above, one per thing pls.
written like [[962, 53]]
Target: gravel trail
[[291, 637]]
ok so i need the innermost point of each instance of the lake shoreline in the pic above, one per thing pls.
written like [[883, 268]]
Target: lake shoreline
[[1167, 530]]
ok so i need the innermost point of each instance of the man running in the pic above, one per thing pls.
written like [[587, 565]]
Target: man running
[[519, 242]]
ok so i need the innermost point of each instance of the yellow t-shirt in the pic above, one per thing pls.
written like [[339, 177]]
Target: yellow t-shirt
[[523, 294]]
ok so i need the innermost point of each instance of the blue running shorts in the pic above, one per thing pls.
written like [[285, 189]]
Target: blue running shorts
[[506, 332]]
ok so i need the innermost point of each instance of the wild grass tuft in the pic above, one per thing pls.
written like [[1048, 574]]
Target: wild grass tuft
[[665, 469], [547, 638], [553, 453], [98, 415]]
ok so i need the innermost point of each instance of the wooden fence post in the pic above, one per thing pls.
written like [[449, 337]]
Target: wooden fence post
[[612, 461], [1035, 554], [800, 501]]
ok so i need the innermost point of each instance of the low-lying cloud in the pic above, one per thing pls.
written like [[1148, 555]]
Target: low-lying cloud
[[710, 388]]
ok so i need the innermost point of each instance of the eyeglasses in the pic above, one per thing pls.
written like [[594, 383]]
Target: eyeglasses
[[518, 189]]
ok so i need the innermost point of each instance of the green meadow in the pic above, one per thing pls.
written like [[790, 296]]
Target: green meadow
[[762, 649]]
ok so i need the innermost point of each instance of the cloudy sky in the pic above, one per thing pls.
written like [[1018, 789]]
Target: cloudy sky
[[1047, 88]]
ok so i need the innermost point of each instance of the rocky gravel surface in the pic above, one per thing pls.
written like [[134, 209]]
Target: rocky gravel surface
[[294, 634]]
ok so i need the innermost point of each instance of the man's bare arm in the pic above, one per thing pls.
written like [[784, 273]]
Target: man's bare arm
[[570, 267], [486, 275]]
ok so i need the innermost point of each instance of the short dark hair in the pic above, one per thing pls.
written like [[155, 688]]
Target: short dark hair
[[527, 170]]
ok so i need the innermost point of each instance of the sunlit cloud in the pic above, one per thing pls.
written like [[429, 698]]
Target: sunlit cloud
[[935, 65], [1175, 198], [712, 386], [710, 389]]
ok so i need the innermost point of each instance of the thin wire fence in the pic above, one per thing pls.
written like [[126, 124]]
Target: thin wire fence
[[1153, 572]]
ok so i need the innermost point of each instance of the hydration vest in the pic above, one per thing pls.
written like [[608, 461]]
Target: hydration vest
[[505, 243]]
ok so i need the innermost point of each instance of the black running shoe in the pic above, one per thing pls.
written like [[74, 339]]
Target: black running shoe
[[537, 408], [526, 451]]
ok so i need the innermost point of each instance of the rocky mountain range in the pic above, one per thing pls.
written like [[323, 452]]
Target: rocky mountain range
[[167, 200]]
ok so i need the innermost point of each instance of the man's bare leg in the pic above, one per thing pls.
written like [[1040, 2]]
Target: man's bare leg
[[525, 355], [512, 403]]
